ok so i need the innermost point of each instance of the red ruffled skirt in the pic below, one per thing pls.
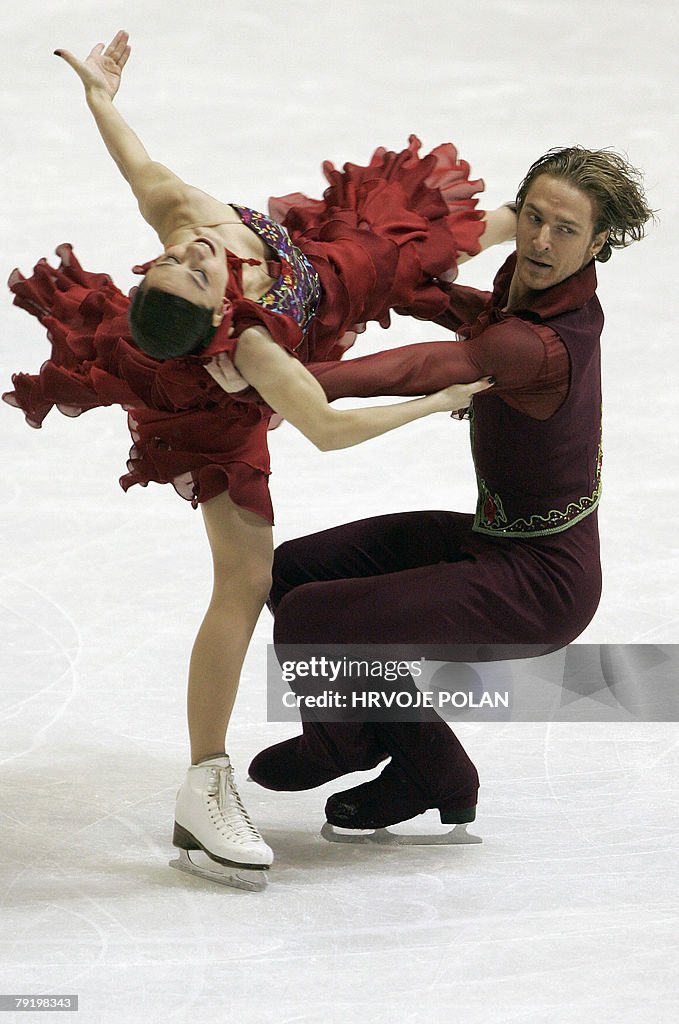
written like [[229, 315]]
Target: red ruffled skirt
[[380, 237], [378, 240]]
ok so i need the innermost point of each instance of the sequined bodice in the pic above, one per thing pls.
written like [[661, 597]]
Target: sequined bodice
[[296, 291]]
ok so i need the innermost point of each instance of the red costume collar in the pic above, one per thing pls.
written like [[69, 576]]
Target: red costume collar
[[564, 297]]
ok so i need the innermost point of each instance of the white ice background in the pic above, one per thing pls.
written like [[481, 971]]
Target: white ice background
[[568, 911]]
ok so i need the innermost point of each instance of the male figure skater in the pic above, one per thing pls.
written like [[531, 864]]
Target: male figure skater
[[525, 568]]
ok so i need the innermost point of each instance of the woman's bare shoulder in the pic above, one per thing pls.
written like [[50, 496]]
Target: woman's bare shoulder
[[172, 207]]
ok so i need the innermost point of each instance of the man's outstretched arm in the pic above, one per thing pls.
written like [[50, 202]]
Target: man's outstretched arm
[[512, 353]]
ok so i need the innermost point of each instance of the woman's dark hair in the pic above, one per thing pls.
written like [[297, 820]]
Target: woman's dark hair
[[613, 185], [166, 326]]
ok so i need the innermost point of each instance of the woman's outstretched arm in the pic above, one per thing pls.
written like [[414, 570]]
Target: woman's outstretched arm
[[286, 385], [165, 201], [101, 74]]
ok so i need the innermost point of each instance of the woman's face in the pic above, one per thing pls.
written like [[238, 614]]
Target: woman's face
[[194, 270]]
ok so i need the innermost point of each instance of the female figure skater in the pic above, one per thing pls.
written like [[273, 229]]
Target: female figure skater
[[235, 298]]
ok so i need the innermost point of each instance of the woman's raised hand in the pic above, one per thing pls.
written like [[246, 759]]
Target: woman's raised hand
[[103, 68]]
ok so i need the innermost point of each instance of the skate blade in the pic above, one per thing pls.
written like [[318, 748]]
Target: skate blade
[[457, 836], [252, 880]]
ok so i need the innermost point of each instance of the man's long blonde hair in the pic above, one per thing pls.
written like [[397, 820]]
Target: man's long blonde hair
[[615, 187]]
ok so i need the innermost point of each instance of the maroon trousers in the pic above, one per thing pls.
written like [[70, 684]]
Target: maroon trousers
[[425, 577]]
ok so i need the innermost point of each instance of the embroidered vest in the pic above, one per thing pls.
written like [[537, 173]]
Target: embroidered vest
[[538, 477]]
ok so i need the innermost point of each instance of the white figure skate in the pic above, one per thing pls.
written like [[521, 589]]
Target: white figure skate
[[213, 831]]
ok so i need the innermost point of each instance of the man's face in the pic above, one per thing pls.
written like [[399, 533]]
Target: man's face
[[554, 236]]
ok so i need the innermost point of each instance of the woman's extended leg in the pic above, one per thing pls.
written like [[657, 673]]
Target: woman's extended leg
[[209, 813], [242, 553]]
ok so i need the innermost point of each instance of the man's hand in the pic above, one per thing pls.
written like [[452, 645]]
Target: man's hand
[[225, 373], [103, 68]]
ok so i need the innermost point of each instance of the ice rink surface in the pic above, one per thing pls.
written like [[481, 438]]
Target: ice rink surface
[[568, 911]]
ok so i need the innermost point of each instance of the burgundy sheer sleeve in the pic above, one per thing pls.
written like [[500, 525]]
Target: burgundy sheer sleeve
[[514, 355], [464, 306], [410, 370]]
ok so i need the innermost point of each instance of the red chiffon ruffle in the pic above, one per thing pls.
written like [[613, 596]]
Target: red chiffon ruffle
[[378, 240], [186, 430], [380, 237]]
